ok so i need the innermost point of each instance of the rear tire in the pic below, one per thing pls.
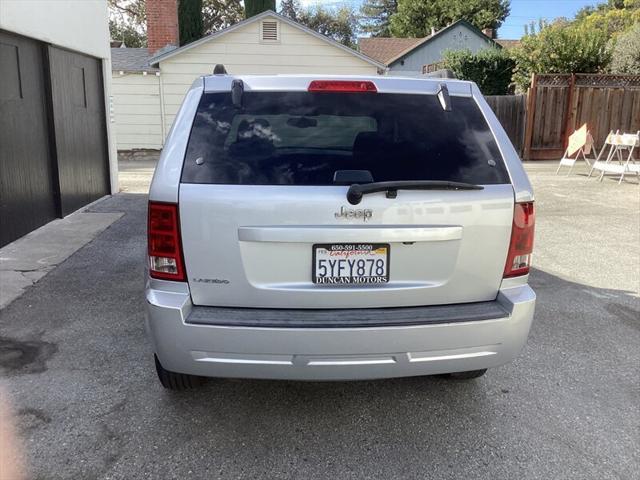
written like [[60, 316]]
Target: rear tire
[[468, 375], [176, 381]]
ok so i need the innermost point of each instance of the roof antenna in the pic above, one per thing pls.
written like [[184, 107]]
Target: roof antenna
[[219, 69], [237, 89], [443, 96]]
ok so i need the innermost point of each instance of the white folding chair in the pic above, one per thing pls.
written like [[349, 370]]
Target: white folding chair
[[618, 144]]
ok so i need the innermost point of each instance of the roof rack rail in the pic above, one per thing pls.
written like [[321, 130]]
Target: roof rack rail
[[219, 69]]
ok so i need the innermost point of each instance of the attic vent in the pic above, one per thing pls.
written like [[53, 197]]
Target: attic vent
[[269, 31]]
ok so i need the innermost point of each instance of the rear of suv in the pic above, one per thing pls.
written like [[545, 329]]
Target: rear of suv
[[336, 228]]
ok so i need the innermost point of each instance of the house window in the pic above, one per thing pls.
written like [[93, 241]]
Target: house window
[[269, 31]]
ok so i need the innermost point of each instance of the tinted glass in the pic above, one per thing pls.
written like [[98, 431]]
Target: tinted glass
[[301, 138]]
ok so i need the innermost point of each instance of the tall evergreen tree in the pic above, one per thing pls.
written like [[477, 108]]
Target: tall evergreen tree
[[255, 7], [375, 17], [190, 21]]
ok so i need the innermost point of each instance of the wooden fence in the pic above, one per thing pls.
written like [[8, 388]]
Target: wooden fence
[[511, 111], [559, 104]]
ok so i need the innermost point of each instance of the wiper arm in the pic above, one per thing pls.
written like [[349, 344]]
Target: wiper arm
[[357, 191]]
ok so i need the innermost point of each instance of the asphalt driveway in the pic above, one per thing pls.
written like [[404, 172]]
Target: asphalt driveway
[[77, 368]]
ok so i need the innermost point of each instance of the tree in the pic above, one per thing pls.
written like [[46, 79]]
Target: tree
[[416, 18], [190, 21], [375, 17], [128, 19], [290, 9], [127, 34], [255, 7], [133, 10], [491, 68], [583, 45], [339, 24], [127, 22], [561, 47], [626, 52], [612, 21], [219, 14]]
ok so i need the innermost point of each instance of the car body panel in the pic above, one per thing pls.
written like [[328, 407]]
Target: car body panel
[[333, 353]]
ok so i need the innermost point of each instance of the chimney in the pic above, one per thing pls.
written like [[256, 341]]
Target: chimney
[[489, 32], [162, 24]]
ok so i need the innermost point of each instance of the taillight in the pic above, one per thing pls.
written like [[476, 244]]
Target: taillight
[[346, 86], [521, 246], [163, 241]]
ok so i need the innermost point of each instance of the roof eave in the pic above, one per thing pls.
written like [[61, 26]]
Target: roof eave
[[135, 70], [267, 13]]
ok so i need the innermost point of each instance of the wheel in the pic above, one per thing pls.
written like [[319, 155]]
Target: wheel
[[176, 381], [468, 375]]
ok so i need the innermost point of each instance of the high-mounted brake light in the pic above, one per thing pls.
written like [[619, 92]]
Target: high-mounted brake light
[[521, 246], [163, 241], [346, 86]]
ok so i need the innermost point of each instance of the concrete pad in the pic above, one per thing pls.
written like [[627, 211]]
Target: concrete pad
[[28, 259]]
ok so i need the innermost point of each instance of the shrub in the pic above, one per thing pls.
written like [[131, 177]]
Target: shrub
[[561, 48], [490, 68]]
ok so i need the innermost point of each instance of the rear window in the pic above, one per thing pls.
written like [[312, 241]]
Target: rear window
[[302, 138]]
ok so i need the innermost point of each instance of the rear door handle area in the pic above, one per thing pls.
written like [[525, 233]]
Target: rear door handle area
[[350, 233]]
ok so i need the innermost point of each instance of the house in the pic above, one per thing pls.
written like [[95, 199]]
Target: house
[[149, 84], [416, 56], [57, 153], [137, 100], [508, 44]]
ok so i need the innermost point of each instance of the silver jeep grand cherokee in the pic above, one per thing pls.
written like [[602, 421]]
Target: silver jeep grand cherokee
[[334, 228]]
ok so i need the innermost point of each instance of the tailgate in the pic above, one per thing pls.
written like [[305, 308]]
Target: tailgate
[[253, 246]]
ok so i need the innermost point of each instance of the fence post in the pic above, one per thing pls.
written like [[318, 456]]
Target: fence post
[[531, 107], [568, 111]]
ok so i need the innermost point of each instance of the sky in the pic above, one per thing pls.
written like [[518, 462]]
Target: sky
[[523, 12]]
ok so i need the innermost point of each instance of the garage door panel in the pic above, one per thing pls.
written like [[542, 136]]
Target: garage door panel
[[80, 128], [27, 195]]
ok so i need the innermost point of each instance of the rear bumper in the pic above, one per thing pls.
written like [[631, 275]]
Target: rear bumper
[[218, 347]]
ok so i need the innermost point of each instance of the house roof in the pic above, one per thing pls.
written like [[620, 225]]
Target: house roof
[[131, 60], [384, 49], [508, 44], [268, 13], [413, 43]]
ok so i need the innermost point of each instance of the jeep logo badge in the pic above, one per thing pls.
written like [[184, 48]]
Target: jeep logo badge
[[362, 213]]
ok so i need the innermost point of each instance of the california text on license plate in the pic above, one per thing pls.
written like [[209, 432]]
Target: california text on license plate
[[350, 263]]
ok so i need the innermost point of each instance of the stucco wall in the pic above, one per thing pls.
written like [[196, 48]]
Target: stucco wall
[[136, 111], [241, 52], [459, 37], [79, 25]]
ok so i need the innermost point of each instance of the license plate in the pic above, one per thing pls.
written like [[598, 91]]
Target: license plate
[[350, 263]]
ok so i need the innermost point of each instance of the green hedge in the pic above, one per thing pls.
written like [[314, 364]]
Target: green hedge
[[490, 68]]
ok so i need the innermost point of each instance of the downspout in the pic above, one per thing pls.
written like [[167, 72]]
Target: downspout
[[162, 113]]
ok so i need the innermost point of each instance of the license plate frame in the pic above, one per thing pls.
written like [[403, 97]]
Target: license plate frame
[[350, 247]]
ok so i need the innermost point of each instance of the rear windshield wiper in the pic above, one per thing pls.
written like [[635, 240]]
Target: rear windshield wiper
[[357, 191]]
